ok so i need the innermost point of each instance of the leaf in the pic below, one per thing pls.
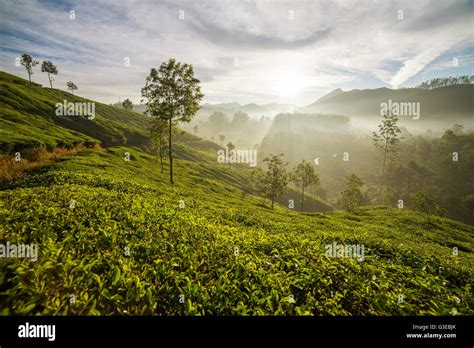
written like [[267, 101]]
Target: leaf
[[116, 275], [29, 308]]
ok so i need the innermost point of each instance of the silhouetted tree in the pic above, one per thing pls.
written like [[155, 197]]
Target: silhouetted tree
[[50, 68], [71, 86], [29, 64], [127, 105], [386, 141]]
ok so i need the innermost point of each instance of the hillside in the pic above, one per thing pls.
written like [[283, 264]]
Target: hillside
[[451, 101], [122, 240], [223, 250], [28, 119]]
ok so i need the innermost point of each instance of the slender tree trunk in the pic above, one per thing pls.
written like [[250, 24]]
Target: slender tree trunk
[[29, 77], [383, 170], [170, 151], [50, 83], [302, 198], [161, 154]]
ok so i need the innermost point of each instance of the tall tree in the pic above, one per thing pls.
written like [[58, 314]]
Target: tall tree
[[51, 69], [127, 105], [272, 182], [29, 64], [352, 197], [385, 141], [303, 175], [71, 86], [222, 139], [196, 129], [172, 94]]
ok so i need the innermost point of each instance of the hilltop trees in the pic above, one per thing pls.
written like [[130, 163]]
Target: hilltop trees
[[447, 81], [385, 141], [127, 105], [172, 94], [48, 67], [222, 139], [71, 86], [29, 64], [303, 175], [272, 182]]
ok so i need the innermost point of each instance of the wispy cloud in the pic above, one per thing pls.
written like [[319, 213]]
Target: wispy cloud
[[248, 51]]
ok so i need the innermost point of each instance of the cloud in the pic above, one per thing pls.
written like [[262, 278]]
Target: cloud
[[320, 45]]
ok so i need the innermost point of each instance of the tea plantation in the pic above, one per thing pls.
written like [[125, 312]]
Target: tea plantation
[[133, 244], [115, 238]]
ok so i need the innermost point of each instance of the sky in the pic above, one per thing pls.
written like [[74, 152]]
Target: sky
[[242, 51]]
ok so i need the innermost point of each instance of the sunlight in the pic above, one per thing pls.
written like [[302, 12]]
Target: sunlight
[[287, 84]]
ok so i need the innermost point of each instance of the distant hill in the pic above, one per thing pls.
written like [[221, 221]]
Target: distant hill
[[450, 101], [252, 109], [331, 94]]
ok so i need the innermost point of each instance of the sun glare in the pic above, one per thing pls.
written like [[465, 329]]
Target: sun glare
[[287, 84]]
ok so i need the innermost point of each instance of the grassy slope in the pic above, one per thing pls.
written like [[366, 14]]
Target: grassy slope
[[192, 251], [28, 119]]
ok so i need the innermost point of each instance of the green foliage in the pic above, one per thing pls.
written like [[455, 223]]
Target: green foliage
[[352, 197], [426, 204], [28, 120], [127, 104], [128, 247], [385, 141], [224, 252], [303, 175], [71, 86], [172, 93], [48, 67], [441, 167], [272, 182], [29, 64]]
